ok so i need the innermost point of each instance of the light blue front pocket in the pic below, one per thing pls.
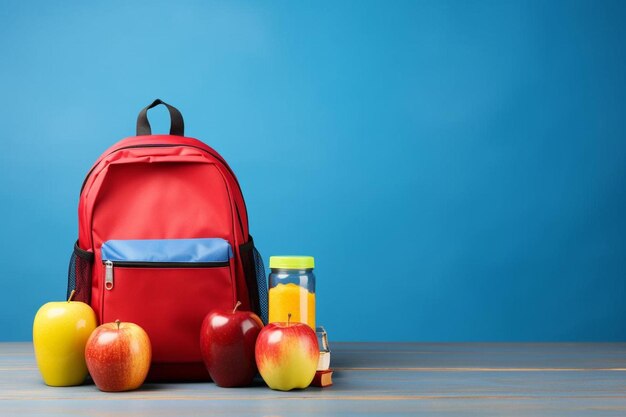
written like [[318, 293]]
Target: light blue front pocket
[[204, 250]]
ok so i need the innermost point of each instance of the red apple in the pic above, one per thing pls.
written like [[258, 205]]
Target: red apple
[[118, 356], [227, 340], [287, 355]]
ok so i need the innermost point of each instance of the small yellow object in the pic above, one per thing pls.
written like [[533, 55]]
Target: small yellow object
[[60, 333], [292, 298]]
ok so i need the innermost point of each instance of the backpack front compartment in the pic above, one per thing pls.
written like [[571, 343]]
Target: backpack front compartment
[[167, 286]]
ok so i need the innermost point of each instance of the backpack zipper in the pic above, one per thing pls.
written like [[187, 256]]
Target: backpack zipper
[[108, 267], [108, 275]]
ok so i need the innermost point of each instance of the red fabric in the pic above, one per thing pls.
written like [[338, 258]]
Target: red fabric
[[169, 299], [185, 190]]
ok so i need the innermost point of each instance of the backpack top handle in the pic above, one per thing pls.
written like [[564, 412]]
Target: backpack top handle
[[177, 125]]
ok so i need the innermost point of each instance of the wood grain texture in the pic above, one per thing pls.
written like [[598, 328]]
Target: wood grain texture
[[371, 379]]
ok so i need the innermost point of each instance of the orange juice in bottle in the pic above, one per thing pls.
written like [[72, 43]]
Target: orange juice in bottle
[[292, 289]]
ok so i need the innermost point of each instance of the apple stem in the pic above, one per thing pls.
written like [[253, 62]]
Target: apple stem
[[288, 319], [118, 323], [71, 296], [236, 306]]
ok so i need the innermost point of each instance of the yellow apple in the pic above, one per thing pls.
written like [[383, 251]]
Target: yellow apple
[[60, 333]]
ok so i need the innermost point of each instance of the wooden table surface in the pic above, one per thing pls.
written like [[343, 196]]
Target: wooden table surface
[[572, 379]]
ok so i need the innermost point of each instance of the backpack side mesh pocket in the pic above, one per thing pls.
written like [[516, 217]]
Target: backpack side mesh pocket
[[254, 272], [261, 281], [79, 274]]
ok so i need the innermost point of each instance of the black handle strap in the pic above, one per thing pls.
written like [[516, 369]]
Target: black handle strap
[[177, 126]]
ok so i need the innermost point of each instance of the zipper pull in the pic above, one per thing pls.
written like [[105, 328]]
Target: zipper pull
[[108, 275]]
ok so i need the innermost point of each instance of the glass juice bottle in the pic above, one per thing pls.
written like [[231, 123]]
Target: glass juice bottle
[[292, 289]]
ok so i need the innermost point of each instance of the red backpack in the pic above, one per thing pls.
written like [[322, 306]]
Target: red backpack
[[162, 240]]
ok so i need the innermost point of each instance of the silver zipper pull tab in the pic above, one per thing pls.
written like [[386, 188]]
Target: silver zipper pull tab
[[108, 275]]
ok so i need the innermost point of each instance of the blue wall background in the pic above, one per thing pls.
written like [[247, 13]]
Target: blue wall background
[[457, 168]]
